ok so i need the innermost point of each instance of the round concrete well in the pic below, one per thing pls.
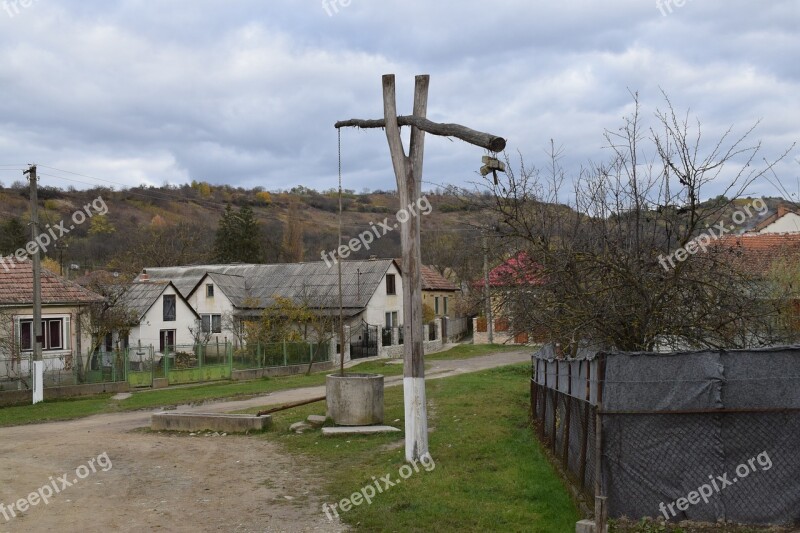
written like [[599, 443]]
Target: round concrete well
[[355, 399]]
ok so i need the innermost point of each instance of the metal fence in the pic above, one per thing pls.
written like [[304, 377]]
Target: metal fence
[[565, 424], [141, 365], [702, 436], [269, 355]]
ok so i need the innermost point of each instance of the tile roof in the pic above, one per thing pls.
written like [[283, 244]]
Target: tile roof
[[16, 286], [517, 270], [433, 281], [316, 283], [755, 253]]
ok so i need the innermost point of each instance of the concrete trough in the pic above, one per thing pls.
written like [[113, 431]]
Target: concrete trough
[[222, 423]]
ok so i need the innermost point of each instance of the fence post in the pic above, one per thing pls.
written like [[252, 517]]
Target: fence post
[[285, 359], [600, 514], [601, 504], [555, 410], [585, 423], [567, 417]]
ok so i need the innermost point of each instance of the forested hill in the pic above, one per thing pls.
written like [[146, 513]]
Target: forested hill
[[163, 226]]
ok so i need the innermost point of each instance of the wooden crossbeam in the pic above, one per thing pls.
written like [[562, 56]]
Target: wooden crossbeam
[[493, 143]]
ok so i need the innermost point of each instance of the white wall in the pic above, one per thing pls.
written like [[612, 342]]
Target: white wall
[[63, 359], [219, 304], [788, 223], [149, 329], [381, 303]]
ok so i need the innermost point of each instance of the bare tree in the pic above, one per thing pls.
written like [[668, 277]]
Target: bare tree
[[106, 317], [602, 242]]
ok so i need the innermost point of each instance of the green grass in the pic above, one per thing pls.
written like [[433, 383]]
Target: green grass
[[78, 408], [490, 472], [468, 351], [52, 411]]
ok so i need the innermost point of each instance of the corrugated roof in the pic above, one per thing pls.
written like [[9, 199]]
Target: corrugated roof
[[141, 296], [249, 286], [16, 286]]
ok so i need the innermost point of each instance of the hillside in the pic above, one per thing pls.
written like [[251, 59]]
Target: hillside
[[163, 226]]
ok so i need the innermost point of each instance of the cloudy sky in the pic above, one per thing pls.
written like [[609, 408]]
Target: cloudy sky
[[246, 92]]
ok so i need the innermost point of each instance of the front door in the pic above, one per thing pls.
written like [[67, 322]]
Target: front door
[[167, 341]]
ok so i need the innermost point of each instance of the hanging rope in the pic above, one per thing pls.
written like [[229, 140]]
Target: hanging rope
[[339, 263]]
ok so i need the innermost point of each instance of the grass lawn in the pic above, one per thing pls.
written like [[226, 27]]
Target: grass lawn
[[467, 351], [489, 475], [148, 399]]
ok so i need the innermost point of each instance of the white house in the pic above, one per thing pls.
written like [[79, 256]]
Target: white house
[[371, 291], [164, 317], [783, 221]]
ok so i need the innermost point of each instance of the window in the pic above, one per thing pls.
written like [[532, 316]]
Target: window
[[436, 305], [390, 286], [52, 334], [209, 291], [166, 340], [391, 319], [212, 323], [169, 308], [445, 305]]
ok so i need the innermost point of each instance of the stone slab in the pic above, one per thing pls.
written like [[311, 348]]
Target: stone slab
[[358, 430], [584, 526], [223, 423], [300, 427], [317, 420]]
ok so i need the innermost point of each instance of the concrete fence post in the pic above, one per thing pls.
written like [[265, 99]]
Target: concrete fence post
[[395, 336], [438, 325]]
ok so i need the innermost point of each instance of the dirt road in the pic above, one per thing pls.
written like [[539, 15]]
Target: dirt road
[[170, 482]]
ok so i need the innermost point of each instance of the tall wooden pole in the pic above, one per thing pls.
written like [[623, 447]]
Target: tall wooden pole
[[408, 171], [37, 265]]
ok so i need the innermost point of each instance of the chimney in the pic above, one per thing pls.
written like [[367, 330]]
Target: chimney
[[373, 258], [144, 276], [782, 211]]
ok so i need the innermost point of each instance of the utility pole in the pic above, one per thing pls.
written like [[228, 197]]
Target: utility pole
[[37, 265], [487, 294], [38, 365]]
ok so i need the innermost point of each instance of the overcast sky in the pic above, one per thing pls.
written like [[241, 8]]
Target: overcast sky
[[246, 92]]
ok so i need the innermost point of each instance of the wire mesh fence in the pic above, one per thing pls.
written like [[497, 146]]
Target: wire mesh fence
[[269, 355], [703, 436], [566, 426]]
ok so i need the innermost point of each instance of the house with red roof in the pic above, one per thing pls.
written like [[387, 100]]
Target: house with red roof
[[515, 273], [63, 303], [438, 292]]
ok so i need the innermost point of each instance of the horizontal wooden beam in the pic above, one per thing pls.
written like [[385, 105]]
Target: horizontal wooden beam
[[493, 143]]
